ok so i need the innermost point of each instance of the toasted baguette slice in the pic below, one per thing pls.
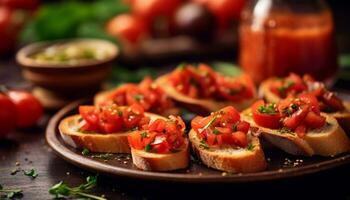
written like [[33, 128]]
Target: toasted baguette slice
[[161, 162], [343, 117], [329, 140], [200, 106], [95, 142], [230, 159], [102, 96]]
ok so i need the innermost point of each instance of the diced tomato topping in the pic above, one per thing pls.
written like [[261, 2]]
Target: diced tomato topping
[[148, 95], [297, 114], [204, 82], [161, 136], [222, 127], [110, 118], [294, 85]]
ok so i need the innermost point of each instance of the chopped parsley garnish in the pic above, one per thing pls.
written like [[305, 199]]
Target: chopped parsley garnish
[[61, 190], [216, 131], [203, 145], [10, 193], [85, 152], [120, 113], [139, 97], [268, 109], [148, 148], [210, 123], [282, 90], [234, 127], [250, 147], [144, 134], [31, 173], [287, 111], [181, 66], [285, 130], [104, 156]]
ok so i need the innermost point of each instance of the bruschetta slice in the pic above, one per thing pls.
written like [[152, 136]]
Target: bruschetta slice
[[224, 142], [202, 90], [276, 89], [104, 128], [297, 126], [147, 94], [163, 146]]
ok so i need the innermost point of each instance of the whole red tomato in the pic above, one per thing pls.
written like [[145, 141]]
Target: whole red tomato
[[8, 30], [8, 115], [126, 27], [224, 10], [29, 109], [150, 9]]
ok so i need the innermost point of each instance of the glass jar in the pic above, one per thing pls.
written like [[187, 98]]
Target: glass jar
[[282, 36]]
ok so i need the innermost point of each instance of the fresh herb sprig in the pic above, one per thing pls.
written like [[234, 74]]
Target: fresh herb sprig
[[9, 193], [63, 190], [268, 109], [103, 156], [32, 173]]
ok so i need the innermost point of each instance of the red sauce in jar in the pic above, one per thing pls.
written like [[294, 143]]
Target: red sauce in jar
[[285, 43]]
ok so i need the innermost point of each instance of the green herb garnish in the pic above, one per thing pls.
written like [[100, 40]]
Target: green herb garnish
[[31, 173], [148, 148], [285, 130], [287, 111], [216, 131], [181, 66], [85, 152], [268, 109], [139, 97], [210, 123], [250, 147], [120, 113], [203, 145], [63, 190], [144, 134], [104, 156], [282, 90], [9, 193], [234, 127]]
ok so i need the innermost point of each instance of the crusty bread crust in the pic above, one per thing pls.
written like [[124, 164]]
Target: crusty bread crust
[[229, 159], [161, 162], [102, 96], [95, 142], [327, 141], [199, 106]]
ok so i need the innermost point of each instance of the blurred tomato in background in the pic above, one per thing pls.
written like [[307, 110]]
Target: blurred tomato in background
[[13, 15]]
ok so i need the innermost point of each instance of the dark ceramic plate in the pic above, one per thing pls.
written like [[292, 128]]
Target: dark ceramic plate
[[280, 165]]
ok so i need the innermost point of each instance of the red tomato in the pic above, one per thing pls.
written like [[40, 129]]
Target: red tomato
[[330, 99], [151, 9], [314, 121], [296, 118], [89, 114], [135, 140], [243, 126], [127, 27], [226, 10], [29, 109], [311, 101], [240, 138], [8, 115], [264, 119], [301, 130], [20, 4]]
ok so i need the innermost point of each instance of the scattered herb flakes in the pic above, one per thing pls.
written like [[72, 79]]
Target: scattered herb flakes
[[292, 163], [85, 152], [216, 131], [284, 130], [139, 97], [10, 193], [104, 156], [203, 145], [63, 190], [31, 173], [15, 170], [144, 134], [148, 148], [250, 147], [210, 123]]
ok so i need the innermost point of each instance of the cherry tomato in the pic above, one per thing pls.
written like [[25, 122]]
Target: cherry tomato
[[8, 115], [225, 11], [29, 109], [151, 9], [240, 138], [127, 27], [265, 119]]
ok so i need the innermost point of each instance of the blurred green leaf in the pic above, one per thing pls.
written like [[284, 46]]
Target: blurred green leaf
[[226, 68], [344, 61]]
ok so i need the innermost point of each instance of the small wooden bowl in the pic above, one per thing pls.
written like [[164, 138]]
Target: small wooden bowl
[[56, 84]]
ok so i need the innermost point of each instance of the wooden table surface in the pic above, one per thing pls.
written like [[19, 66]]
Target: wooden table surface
[[28, 149]]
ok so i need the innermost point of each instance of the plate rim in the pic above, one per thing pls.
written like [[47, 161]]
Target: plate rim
[[65, 153]]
